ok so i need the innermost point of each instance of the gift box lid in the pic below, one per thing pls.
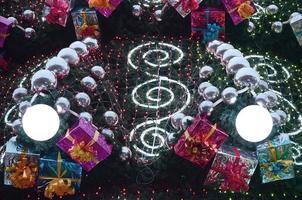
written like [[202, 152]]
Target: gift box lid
[[280, 140], [13, 147]]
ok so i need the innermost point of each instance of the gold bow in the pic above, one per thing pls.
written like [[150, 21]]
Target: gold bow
[[100, 4], [58, 185], [4, 35], [245, 9]]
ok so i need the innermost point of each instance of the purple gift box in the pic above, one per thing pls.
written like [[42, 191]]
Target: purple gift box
[[84, 144], [106, 12], [5, 27]]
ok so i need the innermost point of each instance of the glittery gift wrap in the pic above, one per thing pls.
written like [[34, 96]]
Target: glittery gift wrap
[[5, 27], [239, 10], [105, 7], [208, 24], [232, 169], [275, 158], [184, 7], [56, 11], [84, 144], [296, 24], [58, 176], [20, 165], [86, 23], [200, 141]]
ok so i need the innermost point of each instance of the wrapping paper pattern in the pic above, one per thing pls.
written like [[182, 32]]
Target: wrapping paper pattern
[[184, 7], [208, 24], [86, 23], [232, 169], [200, 142], [84, 144], [275, 158], [5, 27], [20, 164], [296, 24], [105, 7], [239, 10], [56, 11]]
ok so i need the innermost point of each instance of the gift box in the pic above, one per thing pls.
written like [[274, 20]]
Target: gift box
[[56, 11], [275, 159], [184, 7], [208, 24], [86, 23], [232, 169], [105, 7], [5, 27], [20, 164], [296, 24], [200, 141], [239, 10], [84, 144], [58, 176]]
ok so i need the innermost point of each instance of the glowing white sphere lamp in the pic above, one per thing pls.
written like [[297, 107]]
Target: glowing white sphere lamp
[[254, 123], [40, 122]]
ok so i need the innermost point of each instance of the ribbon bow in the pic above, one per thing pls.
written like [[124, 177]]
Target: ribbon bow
[[23, 173], [58, 185], [211, 33], [58, 11], [100, 4], [245, 9]]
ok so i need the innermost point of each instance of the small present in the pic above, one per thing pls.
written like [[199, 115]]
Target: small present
[[86, 23], [59, 177], [208, 24], [275, 158], [184, 7], [232, 169], [20, 164], [105, 7], [84, 144], [56, 11], [296, 24], [200, 142], [239, 10], [5, 27]]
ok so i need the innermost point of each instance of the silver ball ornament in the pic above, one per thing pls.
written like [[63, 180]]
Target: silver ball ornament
[[70, 55], [62, 105], [223, 48], [211, 93], [126, 153], [23, 106], [17, 125], [87, 116], [251, 27], [272, 9], [43, 80], [58, 66], [186, 121], [111, 118], [13, 20], [229, 54], [202, 87], [261, 99], [29, 15], [213, 45], [108, 133], [276, 118], [80, 48], [235, 64], [206, 107], [247, 77], [229, 95], [277, 27], [271, 98], [89, 83], [176, 120], [83, 99], [98, 72], [158, 15], [91, 43], [137, 10], [205, 72], [29, 32], [19, 94], [283, 116]]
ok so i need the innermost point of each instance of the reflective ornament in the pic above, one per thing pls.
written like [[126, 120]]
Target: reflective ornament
[[277, 27], [186, 121], [111, 118], [89, 83], [23, 106], [91, 43], [29, 15], [202, 87], [247, 77], [223, 48], [283, 116], [126, 153], [250, 27], [158, 15], [262, 100], [176, 120], [29, 33], [83, 99], [43, 80], [70, 55], [17, 125], [108, 133], [211, 93], [87, 116], [229, 54], [80, 48], [62, 105], [263, 85], [276, 118], [13, 20], [272, 9], [212, 46], [58, 66], [229, 95], [137, 10], [205, 72], [206, 107], [98, 72], [271, 98], [19, 94], [171, 139], [235, 64]]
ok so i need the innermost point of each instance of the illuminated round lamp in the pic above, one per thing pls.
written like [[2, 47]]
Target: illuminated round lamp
[[40, 122], [254, 123]]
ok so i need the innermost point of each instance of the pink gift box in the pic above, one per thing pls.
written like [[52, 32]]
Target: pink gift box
[[239, 10], [5, 27], [200, 142], [84, 144], [56, 11]]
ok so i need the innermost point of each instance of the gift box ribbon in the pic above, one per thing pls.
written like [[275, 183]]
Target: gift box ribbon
[[4, 35], [59, 185], [244, 9]]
